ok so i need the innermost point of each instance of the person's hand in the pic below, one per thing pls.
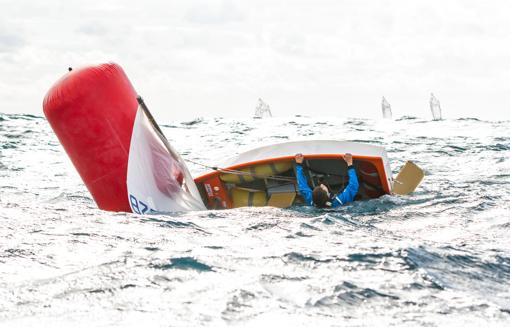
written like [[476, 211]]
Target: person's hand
[[348, 159], [299, 158]]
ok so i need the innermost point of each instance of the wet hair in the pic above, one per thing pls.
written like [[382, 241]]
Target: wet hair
[[320, 197]]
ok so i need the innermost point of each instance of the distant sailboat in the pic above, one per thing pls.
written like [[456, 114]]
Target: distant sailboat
[[386, 109], [262, 109], [435, 107]]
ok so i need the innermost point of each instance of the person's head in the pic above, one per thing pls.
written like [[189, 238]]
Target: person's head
[[320, 196]]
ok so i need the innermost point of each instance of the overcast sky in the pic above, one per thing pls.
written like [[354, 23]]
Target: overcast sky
[[207, 58]]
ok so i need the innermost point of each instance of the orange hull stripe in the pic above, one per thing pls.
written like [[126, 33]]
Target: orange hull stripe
[[376, 161]]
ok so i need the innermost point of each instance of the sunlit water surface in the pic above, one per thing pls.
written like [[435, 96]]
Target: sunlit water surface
[[440, 257]]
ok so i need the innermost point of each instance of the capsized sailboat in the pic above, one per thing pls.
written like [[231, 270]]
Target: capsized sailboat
[[128, 165], [267, 176]]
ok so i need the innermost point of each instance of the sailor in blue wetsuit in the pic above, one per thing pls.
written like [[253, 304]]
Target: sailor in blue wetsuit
[[320, 196]]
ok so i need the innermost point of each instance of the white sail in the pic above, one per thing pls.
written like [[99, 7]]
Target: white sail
[[386, 109], [262, 109], [157, 179], [435, 108]]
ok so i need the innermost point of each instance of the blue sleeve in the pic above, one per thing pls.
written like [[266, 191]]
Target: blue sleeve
[[303, 188], [350, 191]]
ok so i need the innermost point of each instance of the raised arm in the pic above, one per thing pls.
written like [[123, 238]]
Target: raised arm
[[352, 188], [303, 188]]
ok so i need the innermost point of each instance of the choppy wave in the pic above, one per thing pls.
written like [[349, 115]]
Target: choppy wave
[[439, 257]]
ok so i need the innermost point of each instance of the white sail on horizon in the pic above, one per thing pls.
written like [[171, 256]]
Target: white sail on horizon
[[435, 108], [262, 109], [386, 109]]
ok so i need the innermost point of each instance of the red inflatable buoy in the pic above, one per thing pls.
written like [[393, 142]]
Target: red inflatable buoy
[[92, 111]]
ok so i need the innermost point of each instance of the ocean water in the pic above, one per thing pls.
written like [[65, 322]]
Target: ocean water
[[440, 257]]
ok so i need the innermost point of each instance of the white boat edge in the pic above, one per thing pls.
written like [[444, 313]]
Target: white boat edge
[[312, 147]]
